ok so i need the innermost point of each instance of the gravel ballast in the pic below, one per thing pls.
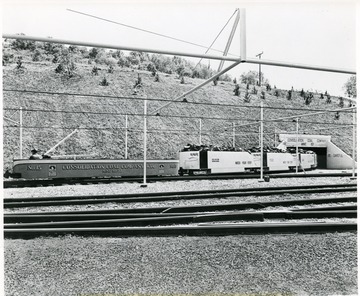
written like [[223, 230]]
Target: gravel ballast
[[291, 264], [318, 264]]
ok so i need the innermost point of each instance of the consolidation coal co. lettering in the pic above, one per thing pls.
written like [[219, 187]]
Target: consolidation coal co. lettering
[[102, 166]]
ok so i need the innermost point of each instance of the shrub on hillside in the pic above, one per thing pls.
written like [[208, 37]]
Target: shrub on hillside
[[52, 48], [288, 96], [341, 102], [157, 78], [111, 69], [66, 65], [276, 92], [19, 44], [328, 98], [19, 64], [247, 97], [182, 80], [151, 68], [237, 90], [104, 82], [93, 53], [138, 82], [95, 71], [262, 96], [36, 56], [7, 58]]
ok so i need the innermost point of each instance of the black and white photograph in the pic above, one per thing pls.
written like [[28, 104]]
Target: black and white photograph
[[179, 148]]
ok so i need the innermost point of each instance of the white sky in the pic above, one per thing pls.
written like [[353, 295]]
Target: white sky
[[318, 33]]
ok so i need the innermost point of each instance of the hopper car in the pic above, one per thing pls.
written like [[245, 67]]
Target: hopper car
[[221, 162]]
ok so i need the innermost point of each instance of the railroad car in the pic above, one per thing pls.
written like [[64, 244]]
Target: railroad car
[[101, 168], [220, 162]]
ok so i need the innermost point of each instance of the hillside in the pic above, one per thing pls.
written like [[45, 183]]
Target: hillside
[[48, 118]]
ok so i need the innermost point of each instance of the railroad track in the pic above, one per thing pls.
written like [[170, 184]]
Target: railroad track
[[166, 196], [59, 182], [209, 219]]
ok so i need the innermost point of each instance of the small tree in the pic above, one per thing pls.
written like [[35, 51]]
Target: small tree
[[328, 99], [247, 86], [182, 81], [235, 81], [237, 90], [288, 96], [350, 87], [254, 90], [157, 78], [337, 115], [268, 87], [104, 82], [138, 82], [19, 64], [59, 69], [95, 71], [55, 59], [36, 56], [215, 81], [341, 102], [302, 93], [276, 92], [262, 96], [111, 69], [247, 97], [321, 96], [67, 65]]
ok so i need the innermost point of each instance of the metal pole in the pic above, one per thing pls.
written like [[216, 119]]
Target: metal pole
[[232, 33], [243, 34], [261, 141], [243, 57], [126, 136], [234, 134], [259, 55], [197, 87], [354, 144], [297, 145], [62, 141], [275, 137], [120, 47], [200, 131], [21, 134], [145, 147]]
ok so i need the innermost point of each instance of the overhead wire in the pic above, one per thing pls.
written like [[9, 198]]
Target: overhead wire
[[143, 30], [216, 37], [164, 100]]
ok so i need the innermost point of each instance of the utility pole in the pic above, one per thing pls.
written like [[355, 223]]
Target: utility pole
[[259, 55]]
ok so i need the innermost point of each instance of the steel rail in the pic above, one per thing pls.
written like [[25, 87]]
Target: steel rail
[[217, 229], [204, 208], [180, 193], [84, 181], [147, 221], [87, 200], [317, 212]]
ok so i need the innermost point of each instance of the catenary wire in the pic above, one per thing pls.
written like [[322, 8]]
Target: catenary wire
[[143, 30], [166, 100]]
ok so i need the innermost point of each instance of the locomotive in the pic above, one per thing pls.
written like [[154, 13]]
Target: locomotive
[[200, 161]]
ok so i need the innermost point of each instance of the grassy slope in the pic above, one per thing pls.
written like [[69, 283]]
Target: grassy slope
[[102, 135]]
